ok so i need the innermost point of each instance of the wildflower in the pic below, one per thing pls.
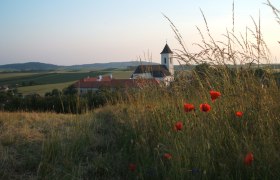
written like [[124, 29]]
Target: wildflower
[[249, 158], [188, 107], [239, 114], [205, 107], [214, 95], [167, 156], [179, 125], [132, 167]]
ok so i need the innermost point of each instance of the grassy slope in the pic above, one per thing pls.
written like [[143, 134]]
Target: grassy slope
[[56, 146], [22, 137]]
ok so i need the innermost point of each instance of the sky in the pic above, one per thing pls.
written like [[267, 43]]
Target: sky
[[69, 32]]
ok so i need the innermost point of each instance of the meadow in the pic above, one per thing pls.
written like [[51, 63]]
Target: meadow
[[158, 133], [214, 122]]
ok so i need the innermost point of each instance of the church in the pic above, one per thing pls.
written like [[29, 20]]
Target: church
[[147, 74], [163, 72]]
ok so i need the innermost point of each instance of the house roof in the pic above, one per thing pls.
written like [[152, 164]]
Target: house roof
[[155, 70], [93, 79], [114, 83], [166, 50]]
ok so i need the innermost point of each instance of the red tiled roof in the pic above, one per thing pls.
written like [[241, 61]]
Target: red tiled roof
[[93, 79], [115, 83], [89, 79]]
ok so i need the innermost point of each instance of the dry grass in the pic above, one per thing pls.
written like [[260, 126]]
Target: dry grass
[[22, 137]]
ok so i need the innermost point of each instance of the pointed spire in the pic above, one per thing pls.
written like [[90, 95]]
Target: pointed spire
[[166, 49]]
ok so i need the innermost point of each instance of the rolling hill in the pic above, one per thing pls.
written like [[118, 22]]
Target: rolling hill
[[38, 66], [29, 66]]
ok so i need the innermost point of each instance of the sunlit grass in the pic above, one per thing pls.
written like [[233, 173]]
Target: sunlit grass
[[22, 137]]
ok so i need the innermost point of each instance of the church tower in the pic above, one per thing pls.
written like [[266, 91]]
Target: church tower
[[167, 59]]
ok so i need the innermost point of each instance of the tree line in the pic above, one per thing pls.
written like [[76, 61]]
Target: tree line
[[66, 101]]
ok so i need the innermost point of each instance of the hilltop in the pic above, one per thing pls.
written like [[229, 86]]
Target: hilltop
[[38, 66], [29, 66]]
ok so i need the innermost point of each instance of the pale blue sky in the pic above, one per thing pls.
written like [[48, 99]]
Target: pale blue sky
[[67, 32]]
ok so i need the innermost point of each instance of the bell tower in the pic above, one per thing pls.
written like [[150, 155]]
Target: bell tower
[[167, 59]]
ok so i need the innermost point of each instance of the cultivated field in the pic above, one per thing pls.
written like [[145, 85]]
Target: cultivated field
[[42, 82]]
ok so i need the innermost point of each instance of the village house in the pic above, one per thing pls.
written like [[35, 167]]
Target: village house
[[93, 84], [143, 75]]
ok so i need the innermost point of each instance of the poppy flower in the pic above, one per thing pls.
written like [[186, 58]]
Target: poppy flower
[[132, 167], [239, 114], [179, 125], [205, 107], [167, 156], [249, 158], [188, 107], [214, 95]]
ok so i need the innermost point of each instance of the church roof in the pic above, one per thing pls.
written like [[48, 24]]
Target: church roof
[[166, 50], [155, 70]]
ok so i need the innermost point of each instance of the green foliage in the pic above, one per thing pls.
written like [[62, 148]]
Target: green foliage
[[66, 101]]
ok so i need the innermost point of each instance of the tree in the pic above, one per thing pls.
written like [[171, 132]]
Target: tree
[[70, 90]]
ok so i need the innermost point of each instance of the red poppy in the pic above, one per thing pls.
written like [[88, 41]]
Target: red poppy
[[188, 107], [205, 107], [239, 114], [179, 125], [132, 167], [214, 95], [249, 158], [167, 156]]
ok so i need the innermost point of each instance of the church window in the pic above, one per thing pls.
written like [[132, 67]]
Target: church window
[[171, 61], [164, 60]]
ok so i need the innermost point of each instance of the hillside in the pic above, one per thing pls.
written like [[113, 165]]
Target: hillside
[[29, 66], [38, 66], [117, 65]]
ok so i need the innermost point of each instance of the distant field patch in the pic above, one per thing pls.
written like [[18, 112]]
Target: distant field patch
[[45, 78], [42, 89], [14, 75], [121, 74]]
